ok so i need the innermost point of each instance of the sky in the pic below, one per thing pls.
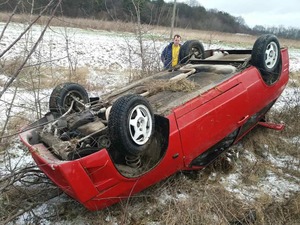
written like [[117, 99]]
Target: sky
[[258, 12]]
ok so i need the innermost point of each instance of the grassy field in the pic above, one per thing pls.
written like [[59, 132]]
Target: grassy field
[[206, 197], [187, 34]]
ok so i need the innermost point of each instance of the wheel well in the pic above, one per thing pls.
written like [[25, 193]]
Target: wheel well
[[154, 153], [161, 134], [159, 143]]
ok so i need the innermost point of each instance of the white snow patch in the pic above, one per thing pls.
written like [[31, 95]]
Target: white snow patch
[[289, 98], [233, 184], [278, 187], [294, 55], [44, 211], [165, 198], [63, 46], [107, 81], [24, 103], [15, 158], [249, 156], [286, 161]]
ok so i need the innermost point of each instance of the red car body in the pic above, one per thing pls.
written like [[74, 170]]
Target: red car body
[[234, 107]]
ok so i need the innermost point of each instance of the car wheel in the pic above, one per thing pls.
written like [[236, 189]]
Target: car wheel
[[64, 94], [131, 124], [191, 48], [266, 55]]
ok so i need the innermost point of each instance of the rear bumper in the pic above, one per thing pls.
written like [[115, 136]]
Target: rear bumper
[[89, 180], [94, 180]]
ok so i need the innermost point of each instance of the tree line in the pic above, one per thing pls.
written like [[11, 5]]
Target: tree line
[[154, 12]]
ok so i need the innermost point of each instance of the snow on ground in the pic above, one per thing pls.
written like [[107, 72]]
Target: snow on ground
[[294, 55], [290, 97], [60, 45], [279, 186], [109, 53]]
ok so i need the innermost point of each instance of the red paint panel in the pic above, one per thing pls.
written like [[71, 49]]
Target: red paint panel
[[80, 182], [207, 124], [204, 98]]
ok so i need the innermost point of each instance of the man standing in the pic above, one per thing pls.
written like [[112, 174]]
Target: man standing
[[170, 54]]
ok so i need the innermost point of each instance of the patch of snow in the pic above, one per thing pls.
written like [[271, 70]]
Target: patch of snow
[[212, 176], [182, 197], [107, 80], [15, 158], [82, 48], [232, 179], [278, 187], [294, 140], [24, 103], [44, 211], [233, 184], [294, 55], [111, 220], [165, 198], [242, 34], [289, 98], [286, 161], [249, 156]]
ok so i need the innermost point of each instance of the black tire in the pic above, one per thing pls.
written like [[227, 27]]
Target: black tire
[[266, 56], [191, 48], [127, 114], [62, 97]]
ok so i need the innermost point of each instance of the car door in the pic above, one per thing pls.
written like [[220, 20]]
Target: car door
[[210, 117]]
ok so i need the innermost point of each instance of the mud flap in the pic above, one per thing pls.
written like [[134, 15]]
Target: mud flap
[[274, 126]]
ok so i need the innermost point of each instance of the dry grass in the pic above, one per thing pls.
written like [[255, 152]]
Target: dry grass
[[75, 22], [41, 76], [180, 200], [17, 122], [211, 37], [60, 75], [173, 86], [9, 67]]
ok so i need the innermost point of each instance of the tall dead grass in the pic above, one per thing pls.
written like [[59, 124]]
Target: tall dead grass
[[42, 76], [210, 37], [180, 200]]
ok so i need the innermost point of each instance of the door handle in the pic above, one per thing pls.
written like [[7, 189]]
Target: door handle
[[241, 121]]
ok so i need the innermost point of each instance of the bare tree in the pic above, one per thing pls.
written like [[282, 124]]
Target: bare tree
[[173, 20], [137, 8], [10, 18], [27, 174], [17, 72]]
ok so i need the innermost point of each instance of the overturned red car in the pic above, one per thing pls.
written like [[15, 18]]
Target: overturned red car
[[104, 149]]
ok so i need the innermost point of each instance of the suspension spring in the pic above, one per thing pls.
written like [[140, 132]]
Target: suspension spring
[[133, 161]]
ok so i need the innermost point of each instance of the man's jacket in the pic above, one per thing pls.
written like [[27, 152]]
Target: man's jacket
[[166, 56]]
